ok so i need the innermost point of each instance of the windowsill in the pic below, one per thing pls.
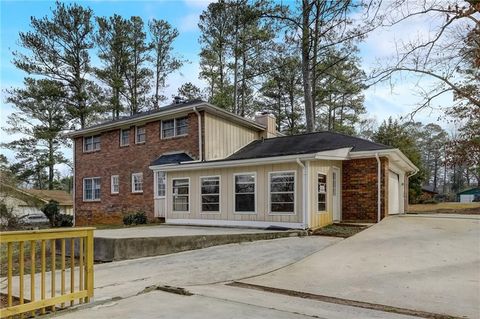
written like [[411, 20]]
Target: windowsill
[[210, 213], [115, 193], [93, 151], [137, 193], [245, 213], [282, 214], [159, 197], [139, 143], [174, 137], [126, 145], [91, 200]]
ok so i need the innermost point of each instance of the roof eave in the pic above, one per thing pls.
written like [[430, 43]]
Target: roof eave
[[392, 152], [201, 106]]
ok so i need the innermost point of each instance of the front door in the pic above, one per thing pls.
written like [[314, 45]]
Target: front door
[[336, 205]]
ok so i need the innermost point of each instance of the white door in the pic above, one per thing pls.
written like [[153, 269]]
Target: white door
[[393, 193], [336, 206], [159, 188]]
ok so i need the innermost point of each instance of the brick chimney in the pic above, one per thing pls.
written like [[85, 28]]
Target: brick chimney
[[269, 121]]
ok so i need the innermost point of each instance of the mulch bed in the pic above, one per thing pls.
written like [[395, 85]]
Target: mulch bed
[[339, 230]]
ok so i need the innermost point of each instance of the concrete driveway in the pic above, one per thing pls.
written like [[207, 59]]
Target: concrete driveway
[[429, 263]]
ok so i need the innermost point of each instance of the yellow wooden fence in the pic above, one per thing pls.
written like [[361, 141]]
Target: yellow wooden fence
[[73, 258]]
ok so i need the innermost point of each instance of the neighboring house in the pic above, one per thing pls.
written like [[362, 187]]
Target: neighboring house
[[31, 201], [469, 195], [427, 193], [194, 163]]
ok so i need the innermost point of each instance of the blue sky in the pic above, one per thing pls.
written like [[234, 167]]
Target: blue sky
[[381, 101]]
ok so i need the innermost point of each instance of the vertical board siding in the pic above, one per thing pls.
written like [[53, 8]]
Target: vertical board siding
[[227, 194], [320, 219], [223, 138]]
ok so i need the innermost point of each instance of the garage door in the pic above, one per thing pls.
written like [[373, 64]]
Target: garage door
[[393, 193]]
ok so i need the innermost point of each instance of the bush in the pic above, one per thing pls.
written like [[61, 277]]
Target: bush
[[136, 218], [56, 219], [8, 220]]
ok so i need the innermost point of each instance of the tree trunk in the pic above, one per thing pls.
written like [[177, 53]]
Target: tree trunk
[[306, 67]]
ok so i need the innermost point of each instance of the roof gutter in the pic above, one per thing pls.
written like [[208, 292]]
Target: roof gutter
[[200, 148], [304, 167], [379, 188]]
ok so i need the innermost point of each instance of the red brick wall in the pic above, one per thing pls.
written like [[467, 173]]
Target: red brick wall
[[112, 159], [359, 189]]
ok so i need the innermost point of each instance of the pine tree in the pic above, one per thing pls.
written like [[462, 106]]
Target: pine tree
[[189, 92], [40, 118], [162, 36], [58, 48]]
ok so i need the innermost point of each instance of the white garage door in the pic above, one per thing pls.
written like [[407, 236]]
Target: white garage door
[[466, 198], [393, 193]]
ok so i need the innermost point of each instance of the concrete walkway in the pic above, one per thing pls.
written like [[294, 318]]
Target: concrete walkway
[[419, 262]]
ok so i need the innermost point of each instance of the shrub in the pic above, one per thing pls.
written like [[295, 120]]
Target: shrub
[[136, 218], [8, 220], [56, 219]]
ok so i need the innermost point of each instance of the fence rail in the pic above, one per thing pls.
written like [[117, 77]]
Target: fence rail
[[53, 255]]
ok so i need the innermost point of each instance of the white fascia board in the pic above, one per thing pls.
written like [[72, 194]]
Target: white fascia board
[[395, 154], [233, 223], [233, 163], [174, 111], [338, 154]]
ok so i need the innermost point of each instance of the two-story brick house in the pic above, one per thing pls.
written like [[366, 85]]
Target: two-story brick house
[[194, 163]]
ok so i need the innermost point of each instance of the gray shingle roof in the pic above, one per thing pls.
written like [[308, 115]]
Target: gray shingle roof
[[172, 159], [304, 144]]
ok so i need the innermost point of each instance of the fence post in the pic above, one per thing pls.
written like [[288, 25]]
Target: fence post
[[89, 264]]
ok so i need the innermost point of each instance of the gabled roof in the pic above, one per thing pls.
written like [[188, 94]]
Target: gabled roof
[[62, 197], [167, 110], [429, 189], [304, 144], [172, 159], [471, 191]]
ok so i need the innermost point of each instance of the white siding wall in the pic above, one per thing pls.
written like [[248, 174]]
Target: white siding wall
[[227, 194], [223, 138]]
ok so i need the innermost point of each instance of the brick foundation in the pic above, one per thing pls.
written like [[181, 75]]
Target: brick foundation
[[359, 189], [112, 159]]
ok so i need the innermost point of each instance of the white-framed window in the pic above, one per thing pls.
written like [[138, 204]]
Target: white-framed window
[[181, 194], [282, 192], [125, 137], [322, 192], [210, 193], [114, 184], [91, 143], [91, 188], [160, 184], [175, 127], [244, 186], [137, 183], [140, 134]]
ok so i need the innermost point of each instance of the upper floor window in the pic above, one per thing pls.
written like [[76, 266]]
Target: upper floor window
[[91, 143], [282, 192], [137, 183], [124, 137], [175, 127], [245, 193], [322, 192], [91, 189], [140, 135]]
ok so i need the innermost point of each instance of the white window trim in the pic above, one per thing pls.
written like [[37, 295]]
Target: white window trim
[[294, 195], [93, 150], [121, 131], [174, 128], [155, 185], [326, 193], [136, 129], [83, 189], [219, 195], [133, 183], [255, 193], [111, 184], [189, 197]]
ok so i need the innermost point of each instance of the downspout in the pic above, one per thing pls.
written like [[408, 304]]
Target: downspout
[[200, 148], [305, 193], [379, 188]]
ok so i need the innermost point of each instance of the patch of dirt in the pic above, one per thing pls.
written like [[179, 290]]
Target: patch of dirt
[[339, 230]]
